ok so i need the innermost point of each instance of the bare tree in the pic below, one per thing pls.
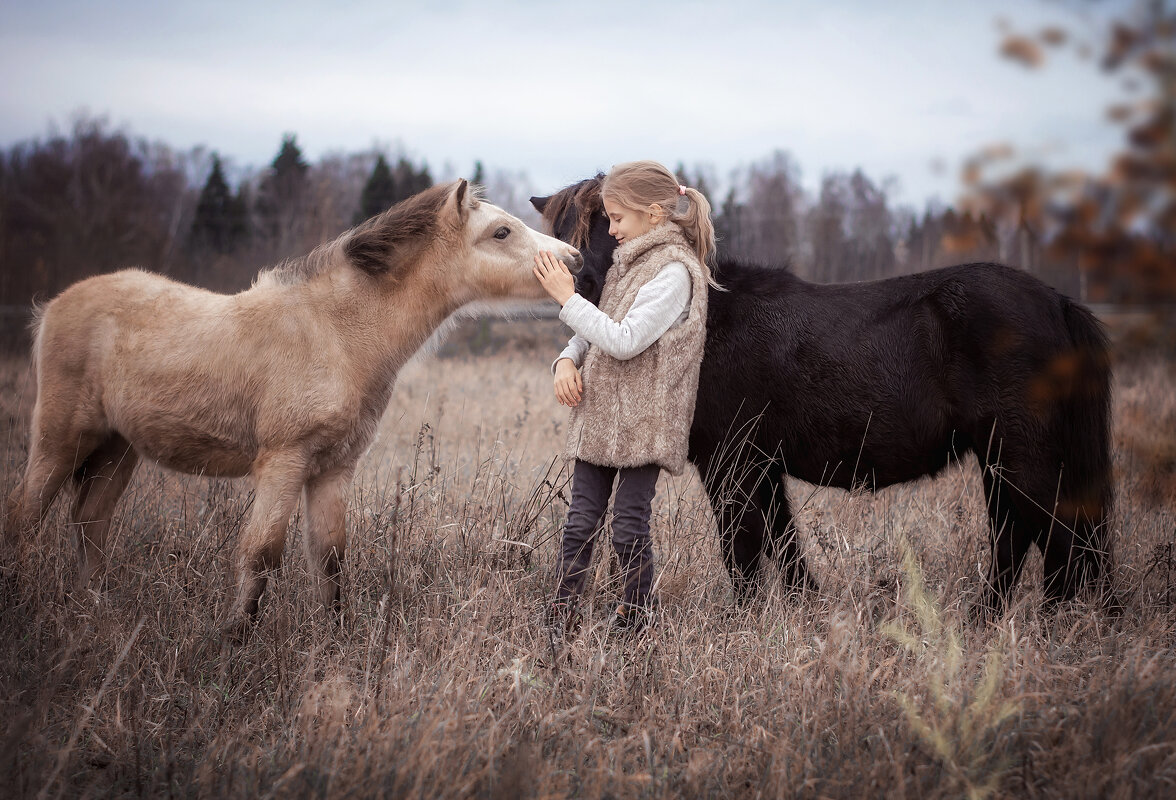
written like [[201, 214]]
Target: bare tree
[[1116, 231]]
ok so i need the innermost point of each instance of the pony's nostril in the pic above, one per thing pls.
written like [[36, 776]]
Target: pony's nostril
[[575, 261]]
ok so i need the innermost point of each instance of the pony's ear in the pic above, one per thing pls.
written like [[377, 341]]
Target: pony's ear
[[540, 203], [456, 209]]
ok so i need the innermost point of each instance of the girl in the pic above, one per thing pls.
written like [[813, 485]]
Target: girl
[[630, 373]]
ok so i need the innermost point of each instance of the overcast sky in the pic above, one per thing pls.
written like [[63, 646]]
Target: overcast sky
[[559, 91]]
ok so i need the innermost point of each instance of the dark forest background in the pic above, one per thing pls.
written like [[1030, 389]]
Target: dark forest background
[[94, 198]]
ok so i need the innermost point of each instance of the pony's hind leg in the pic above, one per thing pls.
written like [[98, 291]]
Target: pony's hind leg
[[53, 458], [1073, 543], [326, 533], [101, 479], [1076, 555], [278, 479]]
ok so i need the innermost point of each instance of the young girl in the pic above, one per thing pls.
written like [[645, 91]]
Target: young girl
[[630, 374]]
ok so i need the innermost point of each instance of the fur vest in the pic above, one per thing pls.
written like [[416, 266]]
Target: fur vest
[[639, 411]]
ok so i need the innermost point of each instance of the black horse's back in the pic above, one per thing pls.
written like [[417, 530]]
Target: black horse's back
[[867, 384], [875, 383]]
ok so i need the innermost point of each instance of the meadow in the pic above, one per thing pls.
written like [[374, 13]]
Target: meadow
[[441, 680]]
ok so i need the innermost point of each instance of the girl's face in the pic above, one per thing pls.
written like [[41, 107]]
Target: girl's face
[[626, 223]]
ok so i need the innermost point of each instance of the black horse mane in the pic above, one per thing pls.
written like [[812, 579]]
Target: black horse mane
[[582, 199], [739, 276]]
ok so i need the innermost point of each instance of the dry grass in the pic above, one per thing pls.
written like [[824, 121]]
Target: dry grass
[[441, 681]]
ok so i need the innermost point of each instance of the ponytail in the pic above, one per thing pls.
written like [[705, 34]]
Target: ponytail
[[695, 222]]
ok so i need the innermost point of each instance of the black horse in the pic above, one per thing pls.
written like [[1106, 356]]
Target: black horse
[[869, 384]]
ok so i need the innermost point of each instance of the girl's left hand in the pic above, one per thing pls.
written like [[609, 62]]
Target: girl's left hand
[[554, 277]]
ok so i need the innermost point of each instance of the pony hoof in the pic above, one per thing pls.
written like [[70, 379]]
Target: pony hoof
[[236, 629]]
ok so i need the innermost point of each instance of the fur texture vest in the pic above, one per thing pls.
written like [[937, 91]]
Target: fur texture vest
[[639, 411]]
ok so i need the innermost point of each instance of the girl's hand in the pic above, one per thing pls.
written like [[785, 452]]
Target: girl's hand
[[568, 386], [554, 277]]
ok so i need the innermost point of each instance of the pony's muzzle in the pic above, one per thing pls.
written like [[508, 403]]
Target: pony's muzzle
[[574, 261]]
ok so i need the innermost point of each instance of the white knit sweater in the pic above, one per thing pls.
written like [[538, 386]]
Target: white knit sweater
[[660, 305]]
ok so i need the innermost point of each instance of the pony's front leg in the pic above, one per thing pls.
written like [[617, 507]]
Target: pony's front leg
[[326, 531], [278, 478]]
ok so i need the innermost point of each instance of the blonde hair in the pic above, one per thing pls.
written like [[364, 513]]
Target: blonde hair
[[641, 184]]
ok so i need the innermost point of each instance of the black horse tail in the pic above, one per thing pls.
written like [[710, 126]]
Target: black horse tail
[[1086, 497]]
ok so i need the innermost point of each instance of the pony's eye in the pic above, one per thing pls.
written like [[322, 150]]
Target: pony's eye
[[502, 232]]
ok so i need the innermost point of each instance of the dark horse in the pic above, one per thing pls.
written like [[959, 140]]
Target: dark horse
[[869, 384]]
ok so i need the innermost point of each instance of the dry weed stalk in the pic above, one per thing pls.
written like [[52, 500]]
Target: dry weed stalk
[[961, 721]]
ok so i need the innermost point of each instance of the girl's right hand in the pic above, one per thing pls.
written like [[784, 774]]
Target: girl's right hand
[[568, 386]]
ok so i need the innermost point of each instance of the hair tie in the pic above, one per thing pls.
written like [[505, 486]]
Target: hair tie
[[681, 189]]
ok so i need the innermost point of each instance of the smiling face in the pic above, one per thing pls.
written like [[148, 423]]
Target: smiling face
[[628, 223]]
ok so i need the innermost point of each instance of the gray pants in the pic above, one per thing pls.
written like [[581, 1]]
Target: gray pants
[[591, 487]]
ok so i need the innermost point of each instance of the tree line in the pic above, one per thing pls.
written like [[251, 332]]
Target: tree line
[[94, 200]]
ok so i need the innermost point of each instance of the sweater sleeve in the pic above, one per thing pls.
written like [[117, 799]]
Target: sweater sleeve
[[576, 349], [658, 305]]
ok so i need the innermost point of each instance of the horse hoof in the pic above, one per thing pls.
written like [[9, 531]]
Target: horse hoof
[[236, 629]]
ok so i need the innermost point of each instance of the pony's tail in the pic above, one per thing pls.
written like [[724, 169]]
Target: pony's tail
[[1085, 436], [9, 533], [37, 328]]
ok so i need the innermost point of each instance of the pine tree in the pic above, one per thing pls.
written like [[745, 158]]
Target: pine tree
[[288, 165], [410, 180], [729, 226], [379, 193], [282, 200], [219, 224]]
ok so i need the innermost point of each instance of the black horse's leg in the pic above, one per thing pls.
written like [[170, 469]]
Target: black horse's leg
[[1030, 518], [1063, 563], [734, 497], [1010, 540], [773, 497]]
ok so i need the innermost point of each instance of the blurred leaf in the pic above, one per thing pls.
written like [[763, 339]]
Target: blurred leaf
[[1023, 50], [1053, 36]]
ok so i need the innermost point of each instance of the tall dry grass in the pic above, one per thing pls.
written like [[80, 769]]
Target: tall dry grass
[[442, 683]]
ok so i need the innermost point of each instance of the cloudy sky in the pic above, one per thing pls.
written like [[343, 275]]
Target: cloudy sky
[[904, 89]]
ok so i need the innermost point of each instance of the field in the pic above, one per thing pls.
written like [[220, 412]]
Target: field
[[441, 681]]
